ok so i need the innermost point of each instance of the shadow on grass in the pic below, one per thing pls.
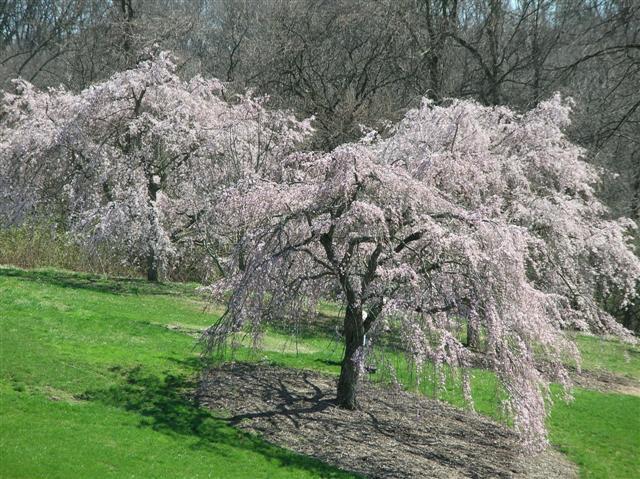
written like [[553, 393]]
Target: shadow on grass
[[93, 282], [168, 405], [329, 362]]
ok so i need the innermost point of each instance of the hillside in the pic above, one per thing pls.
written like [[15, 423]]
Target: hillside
[[97, 376]]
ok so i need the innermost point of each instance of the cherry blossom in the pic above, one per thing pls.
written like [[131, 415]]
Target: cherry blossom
[[463, 217], [135, 161]]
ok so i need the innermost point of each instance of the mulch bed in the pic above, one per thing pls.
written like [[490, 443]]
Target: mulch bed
[[394, 435]]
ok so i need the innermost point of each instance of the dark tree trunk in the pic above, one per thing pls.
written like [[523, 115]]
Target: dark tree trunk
[[434, 73], [152, 267], [153, 260], [350, 371], [635, 202], [473, 333]]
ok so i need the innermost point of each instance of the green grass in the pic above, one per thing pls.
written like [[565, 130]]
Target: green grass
[[94, 374], [611, 355], [92, 385], [599, 432]]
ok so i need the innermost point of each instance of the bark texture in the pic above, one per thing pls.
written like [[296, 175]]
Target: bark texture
[[353, 358]]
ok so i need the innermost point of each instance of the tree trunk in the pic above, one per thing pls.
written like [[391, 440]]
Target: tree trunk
[[153, 259], [353, 357], [635, 202], [152, 266], [473, 333], [435, 76]]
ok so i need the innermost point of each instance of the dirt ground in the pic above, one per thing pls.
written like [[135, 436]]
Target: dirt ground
[[394, 435]]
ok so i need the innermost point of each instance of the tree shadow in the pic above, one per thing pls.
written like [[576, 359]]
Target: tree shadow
[[386, 437], [194, 363], [102, 284], [168, 405], [314, 326]]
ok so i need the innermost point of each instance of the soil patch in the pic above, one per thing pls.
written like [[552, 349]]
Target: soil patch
[[395, 434]]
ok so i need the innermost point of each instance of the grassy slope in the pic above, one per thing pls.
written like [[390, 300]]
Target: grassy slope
[[66, 339], [68, 336], [601, 432], [601, 354]]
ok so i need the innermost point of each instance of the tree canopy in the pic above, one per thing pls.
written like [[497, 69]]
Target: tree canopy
[[463, 217], [135, 161]]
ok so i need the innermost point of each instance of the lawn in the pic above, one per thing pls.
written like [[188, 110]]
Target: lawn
[[92, 383], [94, 374]]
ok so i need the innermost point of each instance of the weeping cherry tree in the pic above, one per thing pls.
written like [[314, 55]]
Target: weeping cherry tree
[[136, 160], [463, 219]]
